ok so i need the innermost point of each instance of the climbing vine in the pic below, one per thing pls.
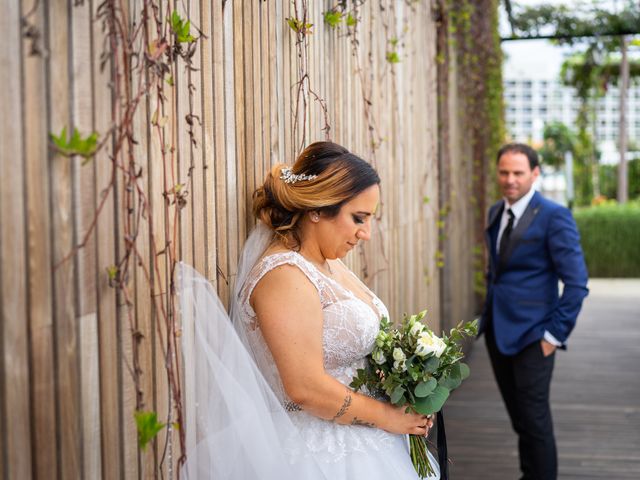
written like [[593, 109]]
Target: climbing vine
[[143, 59]]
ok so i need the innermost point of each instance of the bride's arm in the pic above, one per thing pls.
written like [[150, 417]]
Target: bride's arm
[[290, 317]]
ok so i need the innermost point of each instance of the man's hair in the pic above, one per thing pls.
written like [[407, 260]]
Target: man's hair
[[531, 154]]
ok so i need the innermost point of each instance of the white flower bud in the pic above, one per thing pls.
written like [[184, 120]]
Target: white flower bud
[[378, 356]]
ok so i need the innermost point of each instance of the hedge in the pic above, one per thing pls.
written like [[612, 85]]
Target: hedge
[[610, 237]]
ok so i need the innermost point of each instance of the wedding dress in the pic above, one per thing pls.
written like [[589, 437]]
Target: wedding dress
[[240, 422]]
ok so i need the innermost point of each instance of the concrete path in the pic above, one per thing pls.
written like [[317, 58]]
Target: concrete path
[[595, 398]]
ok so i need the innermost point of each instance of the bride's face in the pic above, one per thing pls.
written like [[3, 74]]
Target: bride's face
[[338, 235]]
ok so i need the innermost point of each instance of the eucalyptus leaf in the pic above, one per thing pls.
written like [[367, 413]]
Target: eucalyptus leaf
[[432, 364], [449, 382], [433, 403], [397, 394], [425, 388]]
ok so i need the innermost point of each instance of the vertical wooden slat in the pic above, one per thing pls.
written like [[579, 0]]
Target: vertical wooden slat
[[255, 108], [111, 434], [144, 311], [280, 87], [67, 351], [84, 199], [207, 101], [226, 181], [199, 174], [218, 257], [265, 91], [236, 170], [15, 435]]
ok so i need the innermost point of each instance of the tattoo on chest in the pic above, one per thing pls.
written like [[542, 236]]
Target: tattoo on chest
[[344, 408]]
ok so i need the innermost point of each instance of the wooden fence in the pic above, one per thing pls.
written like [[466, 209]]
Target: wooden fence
[[66, 342]]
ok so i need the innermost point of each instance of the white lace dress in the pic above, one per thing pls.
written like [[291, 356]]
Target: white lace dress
[[349, 331]]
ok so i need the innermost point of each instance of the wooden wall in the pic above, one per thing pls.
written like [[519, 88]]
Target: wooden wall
[[66, 394]]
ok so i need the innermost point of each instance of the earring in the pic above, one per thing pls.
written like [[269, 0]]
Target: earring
[[315, 218]]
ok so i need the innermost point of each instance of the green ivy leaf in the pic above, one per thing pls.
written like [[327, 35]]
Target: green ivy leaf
[[181, 28], [148, 427], [332, 18], [112, 272], [76, 144], [351, 20], [299, 26], [393, 57]]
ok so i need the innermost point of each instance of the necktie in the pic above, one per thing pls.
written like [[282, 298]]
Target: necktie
[[504, 240]]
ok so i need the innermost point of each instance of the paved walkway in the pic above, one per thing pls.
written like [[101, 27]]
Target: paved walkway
[[595, 398]]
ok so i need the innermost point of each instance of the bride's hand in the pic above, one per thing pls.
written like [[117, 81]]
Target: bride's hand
[[399, 421]]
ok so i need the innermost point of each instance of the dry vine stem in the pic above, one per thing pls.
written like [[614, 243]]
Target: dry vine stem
[[303, 85]]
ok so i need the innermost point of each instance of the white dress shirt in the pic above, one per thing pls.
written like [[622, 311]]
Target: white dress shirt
[[518, 209]]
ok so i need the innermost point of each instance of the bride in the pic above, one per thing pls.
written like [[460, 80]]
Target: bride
[[270, 399]]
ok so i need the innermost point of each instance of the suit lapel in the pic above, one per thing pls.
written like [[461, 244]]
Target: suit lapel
[[494, 214], [523, 224]]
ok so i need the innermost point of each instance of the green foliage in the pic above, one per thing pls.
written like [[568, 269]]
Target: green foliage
[[148, 427], [351, 21], [609, 179], [609, 237], [332, 18], [581, 21], [558, 140], [75, 144], [393, 57], [181, 28], [299, 26]]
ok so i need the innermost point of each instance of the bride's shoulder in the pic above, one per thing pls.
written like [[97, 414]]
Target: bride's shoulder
[[281, 272]]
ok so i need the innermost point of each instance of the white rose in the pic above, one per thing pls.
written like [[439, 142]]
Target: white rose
[[378, 357], [429, 343], [400, 365], [417, 328], [398, 355]]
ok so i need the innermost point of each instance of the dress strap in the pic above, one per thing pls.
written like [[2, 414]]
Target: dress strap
[[268, 263]]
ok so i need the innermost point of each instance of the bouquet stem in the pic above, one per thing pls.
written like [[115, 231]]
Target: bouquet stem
[[419, 457]]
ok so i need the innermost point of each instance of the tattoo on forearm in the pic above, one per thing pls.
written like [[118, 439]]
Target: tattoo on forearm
[[357, 421], [344, 408]]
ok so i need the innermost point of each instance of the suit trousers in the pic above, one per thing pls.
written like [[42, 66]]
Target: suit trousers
[[524, 380]]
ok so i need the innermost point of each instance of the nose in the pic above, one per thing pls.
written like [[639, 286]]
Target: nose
[[364, 232]]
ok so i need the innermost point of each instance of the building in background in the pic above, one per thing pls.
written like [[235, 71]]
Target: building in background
[[532, 103]]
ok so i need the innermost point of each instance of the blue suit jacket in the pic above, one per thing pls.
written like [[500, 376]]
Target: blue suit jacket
[[522, 283]]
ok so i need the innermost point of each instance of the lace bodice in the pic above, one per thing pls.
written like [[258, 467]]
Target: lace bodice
[[350, 325]]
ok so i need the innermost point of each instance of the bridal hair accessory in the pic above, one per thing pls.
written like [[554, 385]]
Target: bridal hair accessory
[[289, 177]]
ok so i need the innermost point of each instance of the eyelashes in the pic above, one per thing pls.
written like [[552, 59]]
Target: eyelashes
[[358, 220]]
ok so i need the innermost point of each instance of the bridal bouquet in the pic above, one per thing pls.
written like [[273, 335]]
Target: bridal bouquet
[[412, 366]]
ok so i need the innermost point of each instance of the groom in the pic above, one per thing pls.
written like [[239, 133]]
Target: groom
[[533, 243]]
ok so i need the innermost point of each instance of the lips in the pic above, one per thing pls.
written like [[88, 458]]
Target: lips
[[352, 244]]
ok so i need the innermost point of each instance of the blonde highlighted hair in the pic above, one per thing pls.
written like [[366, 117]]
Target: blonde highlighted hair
[[340, 176]]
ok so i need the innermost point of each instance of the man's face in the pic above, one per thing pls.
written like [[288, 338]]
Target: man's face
[[515, 176]]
